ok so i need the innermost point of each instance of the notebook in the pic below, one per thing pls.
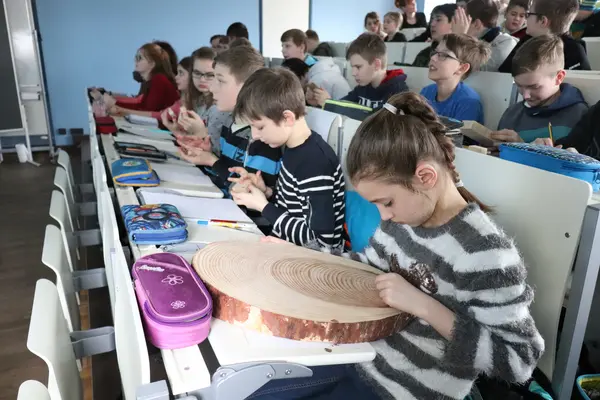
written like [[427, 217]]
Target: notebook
[[180, 174], [139, 120], [197, 207]]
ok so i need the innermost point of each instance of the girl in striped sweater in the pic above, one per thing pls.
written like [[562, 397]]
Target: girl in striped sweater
[[472, 303]]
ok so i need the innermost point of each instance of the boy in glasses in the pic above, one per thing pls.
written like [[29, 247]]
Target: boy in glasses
[[553, 17], [538, 70], [452, 61]]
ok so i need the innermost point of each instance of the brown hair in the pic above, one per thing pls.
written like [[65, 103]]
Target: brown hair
[[369, 46], [468, 50], [395, 16], [538, 52], [162, 64], [296, 36], [310, 34], [560, 13], [268, 93], [518, 3], [484, 10], [402, 3], [240, 42], [389, 146], [193, 97], [242, 61], [371, 15], [166, 46]]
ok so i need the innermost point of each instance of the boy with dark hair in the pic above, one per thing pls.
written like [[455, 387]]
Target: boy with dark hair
[[308, 203], [214, 41], [237, 30], [538, 70], [240, 42], [515, 22], [483, 25], [553, 17], [440, 24], [294, 45], [232, 69], [315, 46], [375, 84]]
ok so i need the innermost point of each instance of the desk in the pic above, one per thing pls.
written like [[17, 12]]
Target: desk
[[186, 369]]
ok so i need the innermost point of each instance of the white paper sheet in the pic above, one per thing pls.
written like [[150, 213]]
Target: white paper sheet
[[197, 207], [180, 174], [139, 120]]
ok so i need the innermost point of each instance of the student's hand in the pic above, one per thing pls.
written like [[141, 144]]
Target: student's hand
[[172, 126], [202, 143], [506, 135], [398, 293], [273, 239], [321, 96], [548, 142], [192, 123], [254, 198], [109, 101], [460, 21], [197, 156], [247, 178]]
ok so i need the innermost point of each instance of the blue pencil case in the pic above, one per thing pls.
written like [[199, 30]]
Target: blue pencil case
[[158, 224], [133, 172], [559, 161]]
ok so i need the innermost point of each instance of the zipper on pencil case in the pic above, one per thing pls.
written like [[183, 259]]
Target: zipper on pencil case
[[142, 238]]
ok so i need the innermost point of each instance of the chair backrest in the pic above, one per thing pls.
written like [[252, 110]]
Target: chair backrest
[[413, 49], [110, 240], [60, 212], [55, 257], [276, 62], [33, 390], [64, 161], [325, 123], [132, 353], [589, 84], [523, 199], [339, 49], [417, 78], [61, 181], [267, 62], [496, 91], [592, 45], [395, 52], [412, 33], [49, 339], [349, 127]]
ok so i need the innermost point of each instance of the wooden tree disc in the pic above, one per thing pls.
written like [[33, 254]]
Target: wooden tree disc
[[296, 293]]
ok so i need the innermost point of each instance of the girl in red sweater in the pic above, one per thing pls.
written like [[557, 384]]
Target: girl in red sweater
[[158, 89]]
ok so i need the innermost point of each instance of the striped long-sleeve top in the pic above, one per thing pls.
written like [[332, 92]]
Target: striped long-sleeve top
[[474, 269], [308, 203]]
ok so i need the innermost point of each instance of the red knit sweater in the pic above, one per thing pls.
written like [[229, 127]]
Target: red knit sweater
[[161, 94]]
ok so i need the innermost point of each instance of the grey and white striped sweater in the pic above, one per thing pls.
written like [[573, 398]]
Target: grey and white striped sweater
[[479, 274]]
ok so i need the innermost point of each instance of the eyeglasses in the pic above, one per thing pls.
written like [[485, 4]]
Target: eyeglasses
[[443, 56], [209, 76]]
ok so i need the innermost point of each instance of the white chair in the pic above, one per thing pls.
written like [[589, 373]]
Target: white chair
[[523, 199], [49, 339], [339, 49], [276, 62], [589, 84], [412, 33], [33, 390], [497, 93], [326, 124], [412, 50], [61, 181], [395, 52], [349, 127], [417, 78], [592, 45]]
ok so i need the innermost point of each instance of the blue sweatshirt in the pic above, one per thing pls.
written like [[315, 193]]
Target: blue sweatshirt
[[532, 122], [375, 97], [464, 104]]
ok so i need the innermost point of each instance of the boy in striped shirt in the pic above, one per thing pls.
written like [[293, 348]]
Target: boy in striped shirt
[[308, 201]]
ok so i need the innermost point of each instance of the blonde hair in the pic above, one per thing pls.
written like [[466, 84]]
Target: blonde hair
[[395, 16], [468, 50], [537, 52]]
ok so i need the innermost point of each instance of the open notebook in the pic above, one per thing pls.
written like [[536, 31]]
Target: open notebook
[[196, 207], [186, 175]]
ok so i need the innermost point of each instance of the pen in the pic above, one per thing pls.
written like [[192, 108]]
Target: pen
[[550, 131]]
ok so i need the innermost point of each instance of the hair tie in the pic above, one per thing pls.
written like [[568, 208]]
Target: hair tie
[[459, 184], [392, 109]]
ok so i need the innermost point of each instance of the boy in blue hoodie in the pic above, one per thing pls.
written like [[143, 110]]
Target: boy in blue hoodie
[[538, 70], [375, 84]]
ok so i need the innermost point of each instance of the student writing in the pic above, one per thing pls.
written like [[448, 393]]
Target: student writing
[[538, 70], [467, 320], [308, 201], [453, 60]]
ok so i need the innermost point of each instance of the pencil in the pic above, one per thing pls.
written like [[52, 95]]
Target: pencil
[[550, 131]]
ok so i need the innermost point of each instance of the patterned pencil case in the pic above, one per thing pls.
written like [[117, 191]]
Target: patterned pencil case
[[154, 224], [133, 172], [559, 161]]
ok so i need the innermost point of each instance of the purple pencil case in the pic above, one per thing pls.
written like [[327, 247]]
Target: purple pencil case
[[175, 305]]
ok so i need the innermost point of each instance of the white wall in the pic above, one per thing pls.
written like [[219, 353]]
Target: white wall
[[278, 17]]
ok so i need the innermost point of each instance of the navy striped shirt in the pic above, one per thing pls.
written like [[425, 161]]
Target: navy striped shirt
[[308, 203]]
